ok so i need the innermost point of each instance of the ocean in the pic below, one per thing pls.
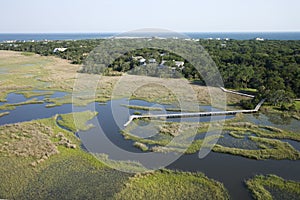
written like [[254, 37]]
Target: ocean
[[194, 35]]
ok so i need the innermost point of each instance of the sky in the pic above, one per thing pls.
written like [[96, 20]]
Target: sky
[[82, 16]]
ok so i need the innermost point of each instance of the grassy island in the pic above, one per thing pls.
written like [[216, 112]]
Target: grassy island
[[273, 187]]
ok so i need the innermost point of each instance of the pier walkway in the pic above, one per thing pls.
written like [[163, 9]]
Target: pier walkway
[[199, 114], [238, 93]]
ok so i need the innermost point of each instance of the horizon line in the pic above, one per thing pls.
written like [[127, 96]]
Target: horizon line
[[118, 32]]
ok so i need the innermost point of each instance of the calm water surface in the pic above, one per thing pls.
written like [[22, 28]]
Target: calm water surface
[[228, 169], [195, 35]]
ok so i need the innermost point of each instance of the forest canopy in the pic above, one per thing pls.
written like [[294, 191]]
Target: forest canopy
[[269, 66]]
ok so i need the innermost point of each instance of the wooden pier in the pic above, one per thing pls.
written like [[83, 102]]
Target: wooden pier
[[237, 93], [199, 114]]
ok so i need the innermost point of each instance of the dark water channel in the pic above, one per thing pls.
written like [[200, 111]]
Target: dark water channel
[[228, 169]]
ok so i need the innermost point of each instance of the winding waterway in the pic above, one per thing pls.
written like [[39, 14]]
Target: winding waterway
[[228, 169]]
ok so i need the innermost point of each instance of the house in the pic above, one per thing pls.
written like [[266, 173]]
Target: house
[[59, 49], [143, 61], [260, 39], [173, 69], [137, 57], [152, 60], [10, 41], [179, 63], [162, 65]]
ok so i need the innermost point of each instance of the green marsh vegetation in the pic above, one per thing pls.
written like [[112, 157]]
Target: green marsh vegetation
[[241, 58], [40, 160], [266, 139], [142, 107], [43, 149], [3, 114], [265, 68], [75, 121], [27, 53], [127, 166], [12, 106], [182, 110], [29, 94], [167, 184], [50, 74], [268, 67], [25, 74], [273, 187], [141, 146]]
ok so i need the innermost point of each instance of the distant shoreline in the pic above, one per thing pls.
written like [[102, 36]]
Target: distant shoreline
[[193, 35]]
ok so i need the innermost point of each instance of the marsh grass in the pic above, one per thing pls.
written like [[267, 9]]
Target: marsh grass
[[273, 187], [27, 54], [34, 164], [182, 110], [31, 139], [248, 140], [236, 134], [278, 110], [128, 166], [13, 105], [54, 74], [271, 149], [3, 114], [75, 176], [30, 93], [141, 146], [76, 121], [46, 73], [135, 107], [166, 184]]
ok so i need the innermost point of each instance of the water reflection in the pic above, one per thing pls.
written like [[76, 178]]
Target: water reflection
[[230, 170], [274, 119]]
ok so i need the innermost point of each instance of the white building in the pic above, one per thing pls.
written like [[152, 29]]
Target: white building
[[59, 49], [260, 39], [143, 61], [137, 57], [152, 60], [179, 63]]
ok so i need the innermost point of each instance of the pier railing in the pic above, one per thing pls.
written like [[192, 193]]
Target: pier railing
[[199, 114]]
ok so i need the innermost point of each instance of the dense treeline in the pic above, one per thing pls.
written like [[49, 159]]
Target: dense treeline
[[154, 57], [251, 64], [76, 51], [153, 66], [271, 67]]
